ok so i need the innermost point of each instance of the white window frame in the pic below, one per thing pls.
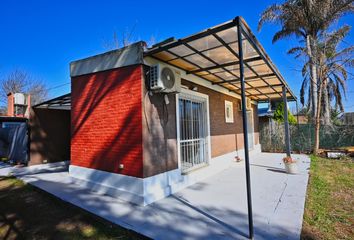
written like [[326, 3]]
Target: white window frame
[[206, 97], [229, 106]]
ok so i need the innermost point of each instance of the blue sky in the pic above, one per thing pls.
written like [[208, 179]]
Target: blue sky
[[43, 37]]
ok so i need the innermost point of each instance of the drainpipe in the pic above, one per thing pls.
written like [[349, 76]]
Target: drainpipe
[[286, 124], [245, 131]]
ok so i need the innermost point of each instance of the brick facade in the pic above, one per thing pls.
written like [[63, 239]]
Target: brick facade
[[114, 121], [106, 121]]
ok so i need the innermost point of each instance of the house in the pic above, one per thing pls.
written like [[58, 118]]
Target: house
[[18, 105], [147, 122], [347, 118], [14, 129]]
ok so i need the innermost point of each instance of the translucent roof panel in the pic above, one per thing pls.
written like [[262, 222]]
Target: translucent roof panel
[[181, 50], [229, 35], [200, 61], [205, 43], [213, 55], [166, 56], [226, 75], [220, 55], [183, 64]]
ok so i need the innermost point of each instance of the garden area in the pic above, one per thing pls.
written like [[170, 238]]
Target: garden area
[[329, 208]]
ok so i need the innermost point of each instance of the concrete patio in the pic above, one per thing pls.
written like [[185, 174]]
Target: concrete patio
[[215, 208]]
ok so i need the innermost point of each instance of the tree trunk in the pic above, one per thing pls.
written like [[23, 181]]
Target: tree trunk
[[326, 105], [313, 76], [318, 122]]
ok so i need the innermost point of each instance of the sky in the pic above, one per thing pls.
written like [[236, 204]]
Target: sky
[[43, 37]]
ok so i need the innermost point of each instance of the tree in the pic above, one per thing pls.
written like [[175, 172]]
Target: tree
[[124, 39], [332, 72], [279, 114], [334, 63], [20, 81], [306, 19]]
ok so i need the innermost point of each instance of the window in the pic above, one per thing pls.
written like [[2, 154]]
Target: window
[[229, 112]]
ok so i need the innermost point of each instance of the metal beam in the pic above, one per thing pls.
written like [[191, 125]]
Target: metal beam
[[264, 87], [60, 98], [245, 132], [191, 38], [247, 79], [259, 49], [286, 124], [223, 65]]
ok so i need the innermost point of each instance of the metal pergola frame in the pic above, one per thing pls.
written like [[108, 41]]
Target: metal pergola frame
[[164, 52], [167, 48]]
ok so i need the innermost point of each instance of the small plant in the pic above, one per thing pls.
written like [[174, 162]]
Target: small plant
[[290, 165]]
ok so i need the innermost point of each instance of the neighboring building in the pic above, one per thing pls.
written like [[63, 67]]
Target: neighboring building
[[302, 118], [14, 139], [146, 123], [18, 105], [348, 118], [265, 115], [14, 145]]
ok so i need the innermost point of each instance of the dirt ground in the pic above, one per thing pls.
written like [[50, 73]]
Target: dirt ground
[[29, 213]]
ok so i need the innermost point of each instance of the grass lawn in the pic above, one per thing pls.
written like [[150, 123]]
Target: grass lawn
[[29, 213], [329, 209]]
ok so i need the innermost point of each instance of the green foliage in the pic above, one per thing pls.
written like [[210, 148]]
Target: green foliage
[[279, 115]]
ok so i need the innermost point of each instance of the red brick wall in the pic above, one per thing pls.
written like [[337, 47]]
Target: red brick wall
[[106, 121]]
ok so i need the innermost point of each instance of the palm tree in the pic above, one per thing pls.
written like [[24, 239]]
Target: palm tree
[[334, 84], [306, 19], [332, 73]]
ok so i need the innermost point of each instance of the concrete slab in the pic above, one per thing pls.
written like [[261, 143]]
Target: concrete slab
[[212, 209]]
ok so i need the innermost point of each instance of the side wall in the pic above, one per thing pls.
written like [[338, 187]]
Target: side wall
[[225, 137], [106, 121], [160, 136], [49, 135], [159, 131]]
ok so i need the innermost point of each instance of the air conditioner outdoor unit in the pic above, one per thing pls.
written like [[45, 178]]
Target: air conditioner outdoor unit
[[19, 98], [248, 105], [164, 79]]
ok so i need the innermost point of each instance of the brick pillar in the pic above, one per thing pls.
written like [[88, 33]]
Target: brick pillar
[[10, 105]]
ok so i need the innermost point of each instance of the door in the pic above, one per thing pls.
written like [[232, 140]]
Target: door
[[193, 131], [250, 130]]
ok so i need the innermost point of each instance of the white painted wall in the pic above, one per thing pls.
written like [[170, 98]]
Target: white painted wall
[[143, 191]]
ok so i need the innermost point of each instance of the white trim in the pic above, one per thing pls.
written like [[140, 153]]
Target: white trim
[[229, 105], [178, 133], [208, 139], [39, 168], [143, 191], [126, 56]]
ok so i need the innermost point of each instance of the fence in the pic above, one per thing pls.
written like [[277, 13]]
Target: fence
[[272, 137]]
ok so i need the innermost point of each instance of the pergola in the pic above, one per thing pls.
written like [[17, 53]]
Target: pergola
[[60, 103], [229, 55]]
